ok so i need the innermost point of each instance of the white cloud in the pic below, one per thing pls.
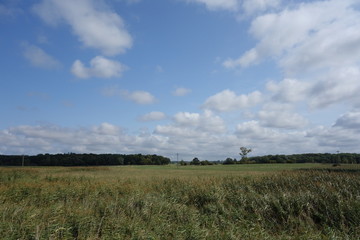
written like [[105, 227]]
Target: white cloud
[[139, 97], [187, 119], [200, 135], [335, 138], [190, 134], [192, 124], [324, 49], [176, 131], [340, 85], [264, 140], [228, 101], [250, 57], [92, 21], [39, 58], [310, 36], [181, 91], [289, 90], [252, 129], [100, 67], [107, 129], [108, 138], [153, 116], [53, 139], [282, 119]]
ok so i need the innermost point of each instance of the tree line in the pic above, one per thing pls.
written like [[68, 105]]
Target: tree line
[[334, 158], [85, 159]]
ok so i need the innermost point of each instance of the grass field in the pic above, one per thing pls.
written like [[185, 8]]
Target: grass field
[[259, 201]]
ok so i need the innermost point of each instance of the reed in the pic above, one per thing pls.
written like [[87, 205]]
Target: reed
[[100, 203]]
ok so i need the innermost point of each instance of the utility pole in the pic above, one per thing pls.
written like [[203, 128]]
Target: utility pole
[[22, 162]]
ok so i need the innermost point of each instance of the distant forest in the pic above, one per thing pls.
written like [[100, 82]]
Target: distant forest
[[75, 159], [335, 158], [90, 159]]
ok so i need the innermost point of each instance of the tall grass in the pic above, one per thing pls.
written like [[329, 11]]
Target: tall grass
[[39, 204]]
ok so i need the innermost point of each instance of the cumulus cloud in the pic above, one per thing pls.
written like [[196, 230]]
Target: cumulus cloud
[[282, 119], [316, 46], [92, 21], [100, 67], [335, 138], [315, 43], [264, 140], [250, 57], [179, 92], [139, 97], [202, 135], [106, 129], [190, 124], [350, 120], [289, 90], [39, 58], [227, 100], [187, 119], [153, 116], [40, 139], [253, 129], [307, 38], [340, 85], [197, 134], [108, 138]]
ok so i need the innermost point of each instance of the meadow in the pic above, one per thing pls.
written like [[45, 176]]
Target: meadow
[[249, 201]]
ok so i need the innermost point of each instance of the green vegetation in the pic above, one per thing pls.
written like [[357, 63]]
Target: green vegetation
[[89, 159], [262, 201], [85, 159], [308, 158], [336, 159]]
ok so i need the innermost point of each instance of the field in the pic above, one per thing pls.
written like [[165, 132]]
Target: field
[[262, 201]]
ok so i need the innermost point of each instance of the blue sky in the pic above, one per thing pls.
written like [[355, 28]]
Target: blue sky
[[196, 77]]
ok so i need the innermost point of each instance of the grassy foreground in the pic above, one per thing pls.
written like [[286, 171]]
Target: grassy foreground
[[171, 202]]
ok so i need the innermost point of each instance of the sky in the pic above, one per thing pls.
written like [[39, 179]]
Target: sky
[[198, 78]]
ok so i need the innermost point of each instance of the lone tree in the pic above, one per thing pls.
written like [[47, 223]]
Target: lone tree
[[244, 152]]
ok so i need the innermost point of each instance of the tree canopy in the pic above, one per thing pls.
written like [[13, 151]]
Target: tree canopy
[[85, 159]]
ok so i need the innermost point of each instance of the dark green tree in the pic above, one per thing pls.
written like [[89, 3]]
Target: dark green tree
[[195, 161], [229, 161]]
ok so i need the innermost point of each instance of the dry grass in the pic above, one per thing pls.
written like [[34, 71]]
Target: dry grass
[[170, 202]]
